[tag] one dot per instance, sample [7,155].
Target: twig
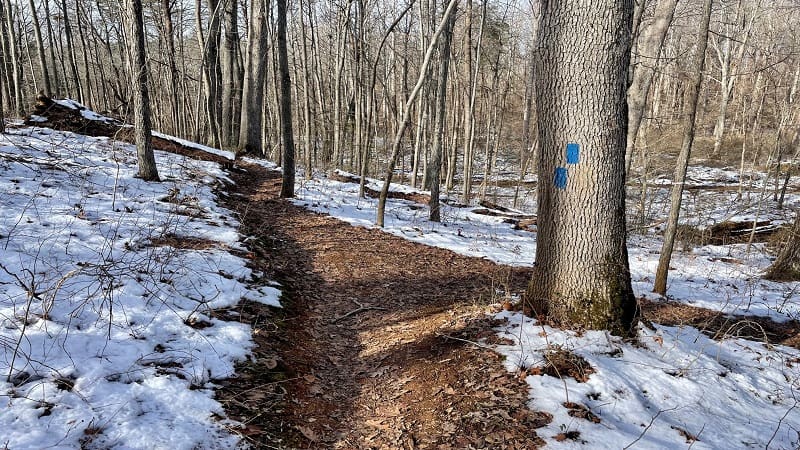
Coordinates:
[653,419]
[361,308]
[476,344]
[780,422]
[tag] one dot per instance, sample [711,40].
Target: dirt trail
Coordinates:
[402,373]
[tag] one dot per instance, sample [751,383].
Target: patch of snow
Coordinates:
[679,384]
[106,333]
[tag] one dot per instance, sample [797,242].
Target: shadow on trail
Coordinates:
[376,346]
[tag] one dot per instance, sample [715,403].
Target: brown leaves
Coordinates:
[581,412]
[380,378]
[571,435]
[308,433]
[561,362]
[687,435]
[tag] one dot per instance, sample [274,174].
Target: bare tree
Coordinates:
[250,140]
[398,138]
[690,113]
[644,70]
[141,96]
[441,105]
[287,133]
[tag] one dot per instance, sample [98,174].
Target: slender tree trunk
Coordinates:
[142,126]
[231,76]
[37,30]
[469,114]
[373,82]
[398,138]
[644,71]
[441,110]
[250,138]
[308,140]
[86,84]
[211,68]
[287,133]
[51,46]
[676,195]
[581,274]
[169,40]
[16,69]
[72,58]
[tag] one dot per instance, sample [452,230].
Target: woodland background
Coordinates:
[353,64]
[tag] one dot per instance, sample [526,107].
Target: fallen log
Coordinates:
[344,177]
[74,117]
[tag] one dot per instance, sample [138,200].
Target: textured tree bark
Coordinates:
[287,133]
[441,110]
[232,75]
[141,97]
[250,140]
[676,195]
[581,276]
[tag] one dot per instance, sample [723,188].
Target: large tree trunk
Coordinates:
[141,97]
[660,284]
[441,102]
[581,275]
[287,133]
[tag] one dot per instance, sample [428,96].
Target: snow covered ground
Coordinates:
[106,340]
[680,389]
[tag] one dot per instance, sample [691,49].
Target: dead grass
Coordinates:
[184,242]
[561,362]
[721,326]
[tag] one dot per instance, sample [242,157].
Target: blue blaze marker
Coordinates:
[573,153]
[560,179]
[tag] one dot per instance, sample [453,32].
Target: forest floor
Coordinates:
[391,338]
[377,344]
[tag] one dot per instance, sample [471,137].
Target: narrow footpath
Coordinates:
[382,343]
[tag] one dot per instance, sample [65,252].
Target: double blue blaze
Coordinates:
[562,174]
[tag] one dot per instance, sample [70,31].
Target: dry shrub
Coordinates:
[560,362]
